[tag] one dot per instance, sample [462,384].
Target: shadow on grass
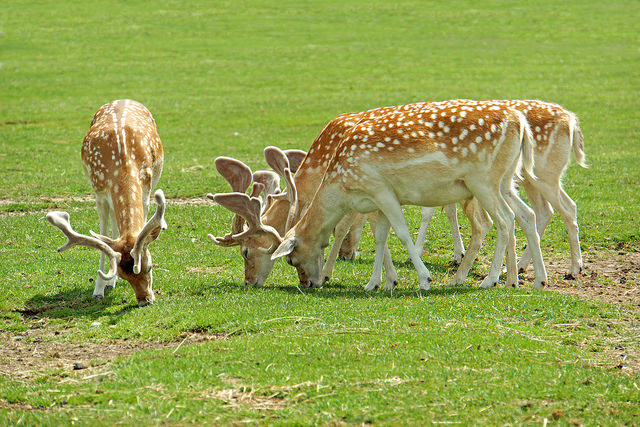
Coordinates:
[338,290]
[77,303]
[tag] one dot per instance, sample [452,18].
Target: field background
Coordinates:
[231,77]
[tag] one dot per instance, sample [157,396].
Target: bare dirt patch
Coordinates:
[54,201]
[25,354]
[611,276]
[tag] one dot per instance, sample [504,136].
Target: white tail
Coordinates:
[122,158]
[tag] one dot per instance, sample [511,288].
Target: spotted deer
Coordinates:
[257,245]
[122,158]
[556,133]
[425,154]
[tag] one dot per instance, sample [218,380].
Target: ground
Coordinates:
[609,275]
[26,353]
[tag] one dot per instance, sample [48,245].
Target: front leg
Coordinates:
[388,204]
[103,207]
[339,232]
[381,233]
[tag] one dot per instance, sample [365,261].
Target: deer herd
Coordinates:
[361,167]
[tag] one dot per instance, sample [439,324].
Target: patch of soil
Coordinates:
[608,276]
[25,354]
[180,201]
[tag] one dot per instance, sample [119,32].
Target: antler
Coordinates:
[278,160]
[61,220]
[295,158]
[150,231]
[239,176]
[248,208]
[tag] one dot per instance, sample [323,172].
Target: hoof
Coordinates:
[540,285]
[144,303]
[98,296]
[391,286]
[326,279]
[426,286]
[521,270]
[370,288]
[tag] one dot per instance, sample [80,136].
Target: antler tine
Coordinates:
[296,157]
[149,232]
[269,179]
[258,188]
[249,208]
[271,182]
[61,220]
[277,159]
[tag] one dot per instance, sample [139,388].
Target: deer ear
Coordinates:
[285,248]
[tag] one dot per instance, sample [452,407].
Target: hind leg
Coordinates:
[544,212]
[458,247]
[349,247]
[480,225]
[527,220]
[491,199]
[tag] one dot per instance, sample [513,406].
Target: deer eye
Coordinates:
[245,253]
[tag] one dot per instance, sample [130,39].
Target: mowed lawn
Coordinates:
[230,78]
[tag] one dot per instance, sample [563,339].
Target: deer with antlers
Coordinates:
[122,158]
[556,133]
[277,212]
[426,154]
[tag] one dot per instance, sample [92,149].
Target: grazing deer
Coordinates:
[122,158]
[258,245]
[556,132]
[425,154]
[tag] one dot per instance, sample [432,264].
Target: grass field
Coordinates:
[229,78]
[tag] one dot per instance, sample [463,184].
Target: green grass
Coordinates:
[230,78]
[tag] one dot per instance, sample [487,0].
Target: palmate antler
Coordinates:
[278,160]
[149,232]
[61,220]
[249,208]
[239,176]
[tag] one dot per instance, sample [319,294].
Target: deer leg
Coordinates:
[103,208]
[389,206]
[569,212]
[512,270]
[492,201]
[349,247]
[339,233]
[426,214]
[458,246]
[543,211]
[527,220]
[480,225]
[381,233]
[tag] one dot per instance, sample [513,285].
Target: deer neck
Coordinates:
[327,208]
[128,209]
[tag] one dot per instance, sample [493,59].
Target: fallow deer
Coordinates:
[556,133]
[257,246]
[122,158]
[425,154]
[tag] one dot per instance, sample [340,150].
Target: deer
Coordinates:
[122,158]
[276,210]
[456,150]
[556,133]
